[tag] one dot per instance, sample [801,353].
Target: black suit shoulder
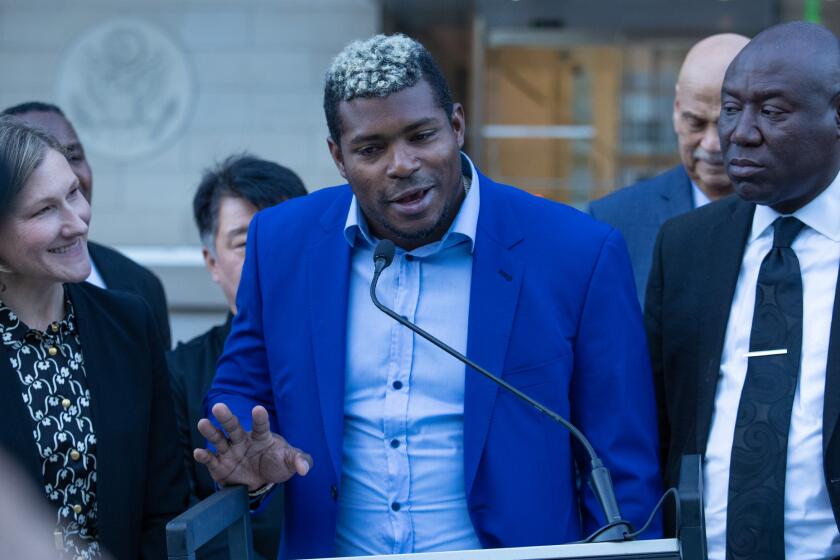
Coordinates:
[688,230]
[139,486]
[187,357]
[710,211]
[121,273]
[192,366]
[691,249]
[125,312]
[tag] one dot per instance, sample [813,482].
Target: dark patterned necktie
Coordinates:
[755,520]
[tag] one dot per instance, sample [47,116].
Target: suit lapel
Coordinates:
[494,293]
[726,240]
[676,196]
[97,256]
[831,406]
[328,277]
[105,391]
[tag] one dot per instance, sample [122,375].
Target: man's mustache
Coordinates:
[714,158]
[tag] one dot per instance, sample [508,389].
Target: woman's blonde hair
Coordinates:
[22,149]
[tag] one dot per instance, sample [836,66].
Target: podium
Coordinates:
[227,511]
[632,550]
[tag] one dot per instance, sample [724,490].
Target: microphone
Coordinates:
[383,254]
[616,529]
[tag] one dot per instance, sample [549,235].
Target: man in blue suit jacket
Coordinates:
[388,444]
[639,210]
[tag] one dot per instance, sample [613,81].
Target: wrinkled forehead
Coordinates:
[772,71]
[699,95]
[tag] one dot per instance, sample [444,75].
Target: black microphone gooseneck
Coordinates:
[617,529]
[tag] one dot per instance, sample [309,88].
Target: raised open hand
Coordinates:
[253,458]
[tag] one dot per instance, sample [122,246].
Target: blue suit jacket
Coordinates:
[639,210]
[552,310]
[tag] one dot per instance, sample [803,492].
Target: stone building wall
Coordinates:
[208,78]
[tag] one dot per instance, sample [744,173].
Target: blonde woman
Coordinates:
[83,381]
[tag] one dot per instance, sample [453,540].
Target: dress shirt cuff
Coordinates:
[256,498]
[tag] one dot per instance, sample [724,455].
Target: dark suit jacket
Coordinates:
[121,273]
[639,210]
[192,366]
[695,269]
[140,483]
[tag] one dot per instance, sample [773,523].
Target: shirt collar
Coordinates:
[463,226]
[12,328]
[698,197]
[820,214]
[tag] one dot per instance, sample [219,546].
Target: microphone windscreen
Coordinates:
[384,250]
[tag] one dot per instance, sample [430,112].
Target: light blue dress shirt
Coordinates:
[402,486]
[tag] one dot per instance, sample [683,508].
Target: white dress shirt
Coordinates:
[810,529]
[95,278]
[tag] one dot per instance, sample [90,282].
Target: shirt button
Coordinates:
[52,351]
[395,443]
[75,455]
[395,506]
[334,492]
[66,403]
[409,257]
[77,509]
[397,385]
[54,327]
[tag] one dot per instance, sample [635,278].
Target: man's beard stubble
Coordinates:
[447,216]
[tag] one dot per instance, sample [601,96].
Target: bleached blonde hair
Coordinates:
[22,149]
[378,67]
